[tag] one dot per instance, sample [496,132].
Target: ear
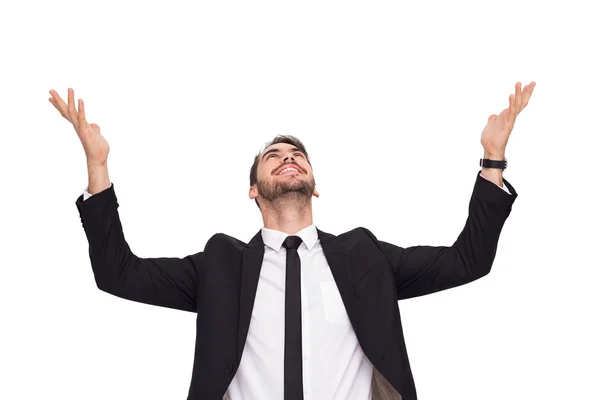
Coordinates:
[316,192]
[252,193]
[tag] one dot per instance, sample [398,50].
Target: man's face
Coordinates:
[283,171]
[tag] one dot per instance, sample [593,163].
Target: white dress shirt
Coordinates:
[334,365]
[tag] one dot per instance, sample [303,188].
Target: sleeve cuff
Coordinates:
[489,191]
[87,195]
[503,185]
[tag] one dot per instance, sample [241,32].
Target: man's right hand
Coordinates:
[94,144]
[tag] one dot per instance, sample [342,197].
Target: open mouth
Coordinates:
[288,171]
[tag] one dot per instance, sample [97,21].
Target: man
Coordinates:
[301,313]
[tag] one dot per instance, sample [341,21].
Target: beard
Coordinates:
[286,188]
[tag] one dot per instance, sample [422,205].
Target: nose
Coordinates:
[288,157]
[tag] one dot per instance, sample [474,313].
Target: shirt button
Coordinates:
[229,368]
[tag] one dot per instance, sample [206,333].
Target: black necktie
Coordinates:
[292,378]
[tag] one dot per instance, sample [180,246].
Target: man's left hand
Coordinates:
[497,131]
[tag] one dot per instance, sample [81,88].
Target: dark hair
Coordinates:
[289,139]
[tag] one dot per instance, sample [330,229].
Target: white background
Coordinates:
[390,100]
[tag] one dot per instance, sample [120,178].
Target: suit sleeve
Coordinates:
[165,281]
[420,270]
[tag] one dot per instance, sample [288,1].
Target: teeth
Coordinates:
[288,169]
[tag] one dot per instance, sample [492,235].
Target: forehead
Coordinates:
[279,147]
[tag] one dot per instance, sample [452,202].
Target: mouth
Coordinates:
[289,171]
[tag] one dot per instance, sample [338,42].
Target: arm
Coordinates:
[421,270]
[166,282]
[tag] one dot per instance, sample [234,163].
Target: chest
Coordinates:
[322,304]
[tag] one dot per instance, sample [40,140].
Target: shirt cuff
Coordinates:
[86,194]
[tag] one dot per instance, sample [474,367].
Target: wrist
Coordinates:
[493,174]
[93,164]
[494,154]
[98,179]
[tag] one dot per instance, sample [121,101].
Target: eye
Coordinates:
[299,154]
[271,155]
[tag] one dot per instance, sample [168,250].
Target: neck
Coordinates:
[287,215]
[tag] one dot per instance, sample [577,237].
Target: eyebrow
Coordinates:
[277,151]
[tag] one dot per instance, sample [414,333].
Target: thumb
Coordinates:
[492,118]
[95,127]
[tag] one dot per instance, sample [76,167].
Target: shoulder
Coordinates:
[224,240]
[357,235]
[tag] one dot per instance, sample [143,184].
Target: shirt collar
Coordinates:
[274,238]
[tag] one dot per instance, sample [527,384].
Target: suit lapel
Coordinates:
[252,259]
[337,258]
[336,254]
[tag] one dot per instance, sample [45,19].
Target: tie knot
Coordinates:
[292,242]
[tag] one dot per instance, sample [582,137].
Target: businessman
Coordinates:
[301,313]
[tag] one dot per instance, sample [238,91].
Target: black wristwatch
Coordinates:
[487,163]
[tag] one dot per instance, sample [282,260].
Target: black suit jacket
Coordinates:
[371,275]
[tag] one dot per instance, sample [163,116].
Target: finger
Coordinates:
[59,108]
[512,108]
[518,97]
[505,116]
[81,114]
[71,106]
[53,102]
[523,99]
[527,94]
[58,103]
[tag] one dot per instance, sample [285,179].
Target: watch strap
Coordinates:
[487,163]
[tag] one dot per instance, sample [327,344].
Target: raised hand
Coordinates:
[94,144]
[497,131]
